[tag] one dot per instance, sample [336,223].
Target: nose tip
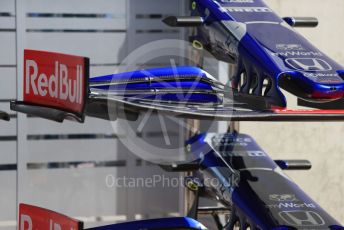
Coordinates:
[332,94]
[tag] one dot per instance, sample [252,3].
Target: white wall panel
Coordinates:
[154,202]
[38,126]
[145,26]
[5,106]
[8,128]
[7,22]
[100,47]
[77,192]
[104,31]
[76,23]
[8,193]
[8,133]
[8,153]
[77,6]
[100,36]
[8,83]
[88,150]
[7,47]
[7,6]
[96,29]
[164,7]
[152,23]
[103,70]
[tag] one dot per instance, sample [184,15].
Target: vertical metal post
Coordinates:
[225,71]
[233,126]
[189,196]
[195,58]
[20,9]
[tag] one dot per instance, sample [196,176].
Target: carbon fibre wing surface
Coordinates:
[130,109]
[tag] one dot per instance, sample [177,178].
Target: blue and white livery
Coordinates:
[265,48]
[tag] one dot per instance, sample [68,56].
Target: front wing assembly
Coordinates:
[187,92]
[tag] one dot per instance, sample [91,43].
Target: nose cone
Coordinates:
[312,87]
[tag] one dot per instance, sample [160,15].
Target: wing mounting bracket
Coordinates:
[44,112]
[186,21]
[4,116]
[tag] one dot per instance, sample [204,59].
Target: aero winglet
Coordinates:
[55,86]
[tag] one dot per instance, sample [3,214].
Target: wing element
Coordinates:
[58,87]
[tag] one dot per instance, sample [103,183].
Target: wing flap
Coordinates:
[228,112]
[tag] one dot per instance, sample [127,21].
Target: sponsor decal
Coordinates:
[298,53]
[229,139]
[288,47]
[246,9]
[302,218]
[35,218]
[283,197]
[308,64]
[256,154]
[324,78]
[245,139]
[244,154]
[55,80]
[291,205]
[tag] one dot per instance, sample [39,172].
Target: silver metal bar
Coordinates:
[301,21]
[183,21]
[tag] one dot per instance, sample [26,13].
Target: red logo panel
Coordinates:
[55,80]
[35,218]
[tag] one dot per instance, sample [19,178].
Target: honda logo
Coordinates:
[302,218]
[308,64]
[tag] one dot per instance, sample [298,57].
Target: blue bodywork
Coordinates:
[250,35]
[248,180]
[165,223]
[179,84]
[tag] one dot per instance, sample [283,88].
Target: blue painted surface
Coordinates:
[262,46]
[165,223]
[251,36]
[261,193]
[190,83]
[153,73]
